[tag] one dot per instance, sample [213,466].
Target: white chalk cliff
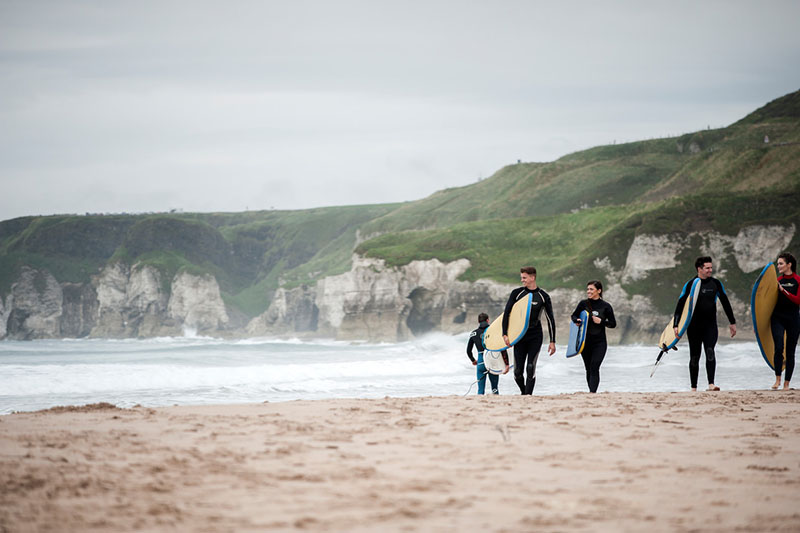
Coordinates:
[372,301]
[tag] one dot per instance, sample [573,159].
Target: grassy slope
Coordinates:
[601,198]
[552,243]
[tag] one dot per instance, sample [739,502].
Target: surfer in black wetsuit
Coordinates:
[702,331]
[527,348]
[476,340]
[785,318]
[601,316]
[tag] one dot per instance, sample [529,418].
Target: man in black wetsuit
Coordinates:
[702,331]
[527,348]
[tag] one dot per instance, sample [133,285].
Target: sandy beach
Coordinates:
[573,462]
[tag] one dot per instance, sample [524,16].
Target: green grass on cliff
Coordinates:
[564,247]
[497,249]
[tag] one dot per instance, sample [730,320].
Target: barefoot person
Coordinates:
[702,331]
[476,340]
[526,350]
[785,317]
[601,316]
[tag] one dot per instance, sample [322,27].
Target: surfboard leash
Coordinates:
[477,380]
[663,351]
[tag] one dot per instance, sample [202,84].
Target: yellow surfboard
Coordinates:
[668,340]
[517,326]
[762,303]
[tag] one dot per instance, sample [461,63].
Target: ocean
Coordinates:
[199,370]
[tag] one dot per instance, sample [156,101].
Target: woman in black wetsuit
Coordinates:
[785,319]
[601,316]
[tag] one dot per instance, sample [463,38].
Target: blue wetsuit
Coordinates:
[476,339]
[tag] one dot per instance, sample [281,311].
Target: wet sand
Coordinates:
[574,462]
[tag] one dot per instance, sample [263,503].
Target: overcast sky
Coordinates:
[123,106]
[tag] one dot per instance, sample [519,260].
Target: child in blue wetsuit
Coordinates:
[476,340]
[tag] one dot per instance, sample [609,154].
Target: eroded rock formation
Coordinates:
[371,302]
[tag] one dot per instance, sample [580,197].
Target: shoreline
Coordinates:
[612,461]
[208,373]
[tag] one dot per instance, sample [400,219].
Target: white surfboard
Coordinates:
[494,362]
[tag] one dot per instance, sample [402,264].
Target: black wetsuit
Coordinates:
[476,340]
[526,350]
[702,331]
[785,319]
[594,350]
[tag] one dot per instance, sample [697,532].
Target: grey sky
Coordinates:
[224,106]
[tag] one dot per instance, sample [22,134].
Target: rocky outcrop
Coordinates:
[120,302]
[650,252]
[196,305]
[293,311]
[34,306]
[131,303]
[79,309]
[375,302]
[755,243]
[38,307]
[378,303]
[751,249]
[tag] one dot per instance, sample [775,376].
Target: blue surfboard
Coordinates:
[577,335]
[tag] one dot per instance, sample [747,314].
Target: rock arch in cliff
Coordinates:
[426,311]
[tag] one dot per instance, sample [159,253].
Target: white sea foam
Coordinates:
[202,370]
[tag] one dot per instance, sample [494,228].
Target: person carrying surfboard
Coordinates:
[601,316]
[785,318]
[526,350]
[476,340]
[702,331]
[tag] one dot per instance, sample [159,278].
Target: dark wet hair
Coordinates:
[702,260]
[789,258]
[531,271]
[597,285]
[483,317]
